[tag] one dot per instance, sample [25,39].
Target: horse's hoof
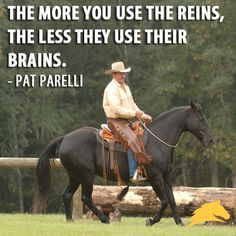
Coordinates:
[105,220]
[181,224]
[149,222]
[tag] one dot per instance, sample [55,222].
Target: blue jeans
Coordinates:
[132,163]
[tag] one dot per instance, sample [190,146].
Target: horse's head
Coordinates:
[219,211]
[197,125]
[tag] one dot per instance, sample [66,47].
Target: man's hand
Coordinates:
[139,114]
[146,117]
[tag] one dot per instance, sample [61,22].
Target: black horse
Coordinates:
[80,154]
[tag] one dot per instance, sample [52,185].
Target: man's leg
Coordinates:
[129,138]
[132,163]
[134,175]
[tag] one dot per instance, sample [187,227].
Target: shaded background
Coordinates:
[162,77]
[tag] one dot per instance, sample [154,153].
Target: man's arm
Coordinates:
[139,112]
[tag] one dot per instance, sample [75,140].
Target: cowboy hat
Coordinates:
[118,67]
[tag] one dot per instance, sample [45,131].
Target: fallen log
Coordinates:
[142,201]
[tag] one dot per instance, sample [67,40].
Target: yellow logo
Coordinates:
[209,212]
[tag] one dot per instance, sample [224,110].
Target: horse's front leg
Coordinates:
[172,203]
[159,188]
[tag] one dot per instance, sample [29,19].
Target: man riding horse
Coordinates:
[120,108]
[80,151]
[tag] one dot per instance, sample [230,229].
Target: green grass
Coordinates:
[55,225]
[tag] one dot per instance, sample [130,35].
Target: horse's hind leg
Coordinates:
[87,189]
[172,203]
[159,188]
[68,196]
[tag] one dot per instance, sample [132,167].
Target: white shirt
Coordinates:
[118,101]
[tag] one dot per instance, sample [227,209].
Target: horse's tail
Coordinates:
[43,175]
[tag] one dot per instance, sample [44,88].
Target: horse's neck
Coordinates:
[170,126]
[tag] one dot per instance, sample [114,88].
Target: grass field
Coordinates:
[55,225]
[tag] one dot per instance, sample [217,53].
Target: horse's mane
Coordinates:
[203,210]
[166,114]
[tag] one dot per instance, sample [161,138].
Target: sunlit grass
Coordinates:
[50,225]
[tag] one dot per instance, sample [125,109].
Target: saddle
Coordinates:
[114,144]
[106,134]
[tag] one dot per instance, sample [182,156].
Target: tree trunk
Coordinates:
[214,173]
[143,201]
[184,171]
[234,179]
[20,190]
[15,152]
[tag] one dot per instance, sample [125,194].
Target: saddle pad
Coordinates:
[118,146]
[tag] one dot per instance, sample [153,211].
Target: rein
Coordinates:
[168,145]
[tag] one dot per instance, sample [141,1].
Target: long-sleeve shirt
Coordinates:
[118,101]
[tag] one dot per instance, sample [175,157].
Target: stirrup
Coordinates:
[138,177]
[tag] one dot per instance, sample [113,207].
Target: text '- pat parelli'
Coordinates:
[50,81]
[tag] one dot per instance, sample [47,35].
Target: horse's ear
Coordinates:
[218,201]
[193,106]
